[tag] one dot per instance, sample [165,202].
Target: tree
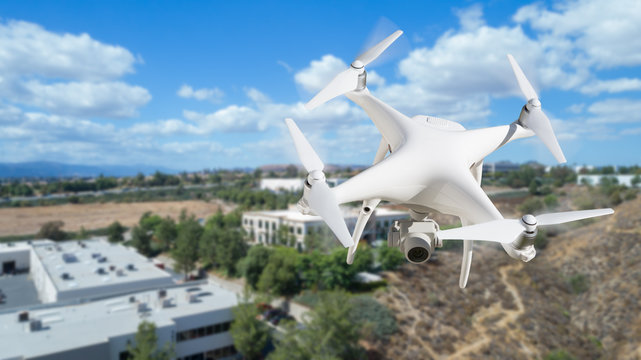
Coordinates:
[82,234]
[254,263]
[390,258]
[141,240]
[115,232]
[165,232]
[331,333]
[250,334]
[280,276]
[145,344]
[149,221]
[52,230]
[185,254]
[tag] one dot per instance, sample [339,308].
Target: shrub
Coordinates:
[531,205]
[579,283]
[559,355]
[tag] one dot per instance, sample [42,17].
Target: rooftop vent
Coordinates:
[166,303]
[95,255]
[35,325]
[120,272]
[23,316]
[142,307]
[162,293]
[132,299]
[58,248]
[131,267]
[65,276]
[112,267]
[102,259]
[69,258]
[100,271]
[192,289]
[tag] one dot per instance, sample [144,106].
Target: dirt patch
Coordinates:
[23,221]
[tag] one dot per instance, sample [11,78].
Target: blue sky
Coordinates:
[191,85]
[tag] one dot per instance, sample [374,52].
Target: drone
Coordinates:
[433,164]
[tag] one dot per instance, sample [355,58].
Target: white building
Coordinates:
[94,294]
[291,184]
[596,179]
[263,225]
[82,269]
[196,318]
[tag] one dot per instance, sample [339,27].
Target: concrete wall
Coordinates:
[112,289]
[47,291]
[19,254]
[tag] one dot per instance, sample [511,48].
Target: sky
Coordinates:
[192,84]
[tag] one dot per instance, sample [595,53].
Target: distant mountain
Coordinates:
[46,169]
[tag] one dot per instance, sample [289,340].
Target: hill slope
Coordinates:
[579,295]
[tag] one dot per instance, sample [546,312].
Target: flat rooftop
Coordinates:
[92,323]
[81,261]
[18,290]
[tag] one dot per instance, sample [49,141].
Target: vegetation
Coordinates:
[558,355]
[250,334]
[115,232]
[52,230]
[145,345]
[252,266]
[390,258]
[186,254]
[377,320]
[330,333]
[579,283]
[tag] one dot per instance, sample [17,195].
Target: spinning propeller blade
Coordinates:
[568,216]
[347,80]
[535,119]
[320,198]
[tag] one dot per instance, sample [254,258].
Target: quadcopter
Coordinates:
[433,165]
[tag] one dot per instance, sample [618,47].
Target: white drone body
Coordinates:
[433,165]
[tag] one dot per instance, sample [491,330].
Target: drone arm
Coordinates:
[391,123]
[482,142]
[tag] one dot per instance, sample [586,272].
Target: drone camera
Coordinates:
[417,247]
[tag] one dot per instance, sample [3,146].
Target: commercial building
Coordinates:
[195,318]
[263,225]
[92,296]
[627,180]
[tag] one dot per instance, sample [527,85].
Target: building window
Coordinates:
[274,226]
[260,223]
[299,230]
[202,331]
[291,229]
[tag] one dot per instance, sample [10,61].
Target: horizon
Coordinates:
[207,85]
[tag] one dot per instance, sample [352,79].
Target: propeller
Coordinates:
[318,195]
[506,231]
[347,80]
[533,117]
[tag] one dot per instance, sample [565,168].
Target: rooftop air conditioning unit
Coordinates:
[162,293]
[102,259]
[23,316]
[142,307]
[131,267]
[100,271]
[166,303]
[132,299]
[95,255]
[65,276]
[192,297]
[120,272]
[35,325]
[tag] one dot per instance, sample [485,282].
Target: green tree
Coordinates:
[330,333]
[115,232]
[82,234]
[141,240]
[185,254]
[250,334]
[390,258]
[280,276]
[531,205]
[52,230]
[230,247]
[149,221]
[165,232]
[284,236]
[145,345]
[252,266]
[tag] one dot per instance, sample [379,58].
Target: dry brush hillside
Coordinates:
[514,310]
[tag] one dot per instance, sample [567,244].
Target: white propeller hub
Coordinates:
[315,175]
[357,64]
[529,222]
[534,102]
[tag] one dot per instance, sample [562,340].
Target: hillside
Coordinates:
[580,295]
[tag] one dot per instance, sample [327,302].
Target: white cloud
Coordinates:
[28,49]
[611,86]
[214,95]
[104,99]
[66,74]
[165,127]
[615,111]
[319,73]
[606,33]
